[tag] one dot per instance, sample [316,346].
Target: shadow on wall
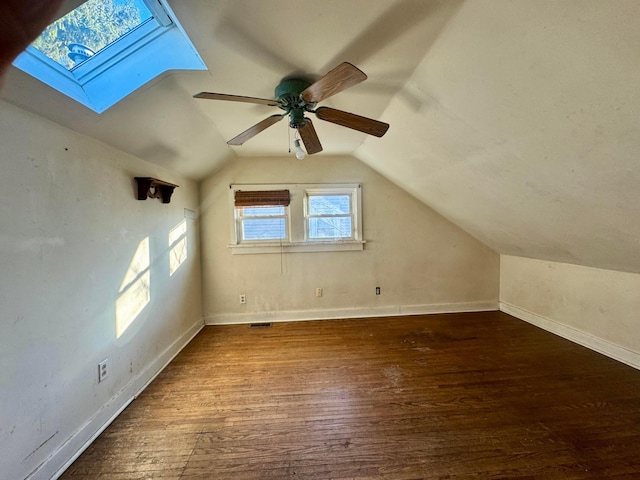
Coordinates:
[135,289]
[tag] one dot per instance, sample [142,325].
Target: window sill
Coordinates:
[248,249]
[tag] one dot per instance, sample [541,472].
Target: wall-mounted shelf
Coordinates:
[149,187]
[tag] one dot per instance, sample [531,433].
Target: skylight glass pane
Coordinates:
[89,28]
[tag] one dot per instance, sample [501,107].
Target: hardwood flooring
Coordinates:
[479,395]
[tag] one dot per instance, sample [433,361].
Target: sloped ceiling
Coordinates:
[517,120]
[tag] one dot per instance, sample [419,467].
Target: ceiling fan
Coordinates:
[297,96]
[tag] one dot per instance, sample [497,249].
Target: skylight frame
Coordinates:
[117,46]
[155,46]
[110,55]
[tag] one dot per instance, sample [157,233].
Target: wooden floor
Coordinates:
[424,397]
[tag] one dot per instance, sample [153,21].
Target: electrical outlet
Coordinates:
[377,290]
[243,298]
[318,292]
[103,370]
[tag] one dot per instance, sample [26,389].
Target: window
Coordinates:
[87,30]
[295,218]
[329,215]
[105,49]
[261,215]
[262,223]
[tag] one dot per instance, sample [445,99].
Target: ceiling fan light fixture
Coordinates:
[300,153]
[297,96]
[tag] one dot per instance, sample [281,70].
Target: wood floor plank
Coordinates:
[478,395]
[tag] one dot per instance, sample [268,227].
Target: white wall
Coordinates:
[422,262]
[594,307]
[70,226]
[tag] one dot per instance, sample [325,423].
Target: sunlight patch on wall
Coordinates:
[177,246]
[135,290]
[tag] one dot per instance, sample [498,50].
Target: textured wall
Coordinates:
[79,255]
[421,261]
[527,138]
[595,307]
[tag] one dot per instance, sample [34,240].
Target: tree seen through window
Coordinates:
[93,25]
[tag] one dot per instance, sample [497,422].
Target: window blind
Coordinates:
[262,198]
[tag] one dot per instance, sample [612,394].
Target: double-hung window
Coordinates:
[261,215]
[329,214]
[262,223]
[296,218]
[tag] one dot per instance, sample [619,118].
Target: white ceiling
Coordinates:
[517,120]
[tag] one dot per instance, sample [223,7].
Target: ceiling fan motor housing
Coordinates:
[289,99]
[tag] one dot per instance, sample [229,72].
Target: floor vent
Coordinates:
[260,325]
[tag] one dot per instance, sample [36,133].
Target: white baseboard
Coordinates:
[354,312]
[605,347]
[77,443]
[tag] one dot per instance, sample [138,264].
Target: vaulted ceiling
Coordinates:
[517,120]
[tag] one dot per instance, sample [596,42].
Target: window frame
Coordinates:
[332,191]
[296,223]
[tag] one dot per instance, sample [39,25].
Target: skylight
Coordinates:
[88,29]
[104,50]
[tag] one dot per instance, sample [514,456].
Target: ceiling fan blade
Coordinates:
[235,98]
[310,138]
[256,129]
[340,78]
[351,120]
